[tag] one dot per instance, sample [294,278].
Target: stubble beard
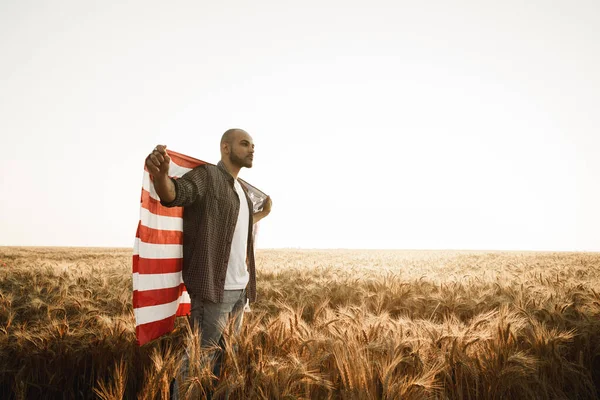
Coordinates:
[240,162]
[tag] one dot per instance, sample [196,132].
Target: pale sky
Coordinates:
[377,124]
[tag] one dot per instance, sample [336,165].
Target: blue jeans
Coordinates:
[211,319]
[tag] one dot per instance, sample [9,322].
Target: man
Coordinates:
[218,250]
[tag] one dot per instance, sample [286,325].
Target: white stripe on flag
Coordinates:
[160,222]
[155,313]
[185,297]
[156,281]
[177,170]
[151,250]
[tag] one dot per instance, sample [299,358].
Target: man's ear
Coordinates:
[225,148]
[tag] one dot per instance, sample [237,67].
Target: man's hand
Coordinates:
[266,210]
[267,206]
[158,162]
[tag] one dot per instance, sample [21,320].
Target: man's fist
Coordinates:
[267,206]
[158,162]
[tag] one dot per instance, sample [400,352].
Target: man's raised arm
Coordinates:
[157,163]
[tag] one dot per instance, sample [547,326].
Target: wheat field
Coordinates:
[330,324]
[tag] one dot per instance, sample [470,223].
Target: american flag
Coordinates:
[159,295]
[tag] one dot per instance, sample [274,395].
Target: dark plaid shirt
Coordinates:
[211,207]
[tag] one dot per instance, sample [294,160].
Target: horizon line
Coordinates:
[333,249]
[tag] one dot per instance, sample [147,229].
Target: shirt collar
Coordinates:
[221,165]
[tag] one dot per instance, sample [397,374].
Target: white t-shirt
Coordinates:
[237,271]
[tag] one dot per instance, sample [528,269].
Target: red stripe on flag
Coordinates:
[159,236]
[184,309]
[153,330]
[146,298]
[184,161]
[156,265]
[156,208]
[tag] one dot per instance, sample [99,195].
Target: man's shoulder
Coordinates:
[206,167]
[210,167]
[212,170]
[199,167]
[208,171]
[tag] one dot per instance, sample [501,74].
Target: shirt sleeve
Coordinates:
[189,188]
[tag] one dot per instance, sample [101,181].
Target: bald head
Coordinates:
[230,135]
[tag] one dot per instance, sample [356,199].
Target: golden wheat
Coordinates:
[328,324]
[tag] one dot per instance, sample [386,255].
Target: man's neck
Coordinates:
[232,169]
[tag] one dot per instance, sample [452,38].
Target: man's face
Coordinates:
[241,151]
